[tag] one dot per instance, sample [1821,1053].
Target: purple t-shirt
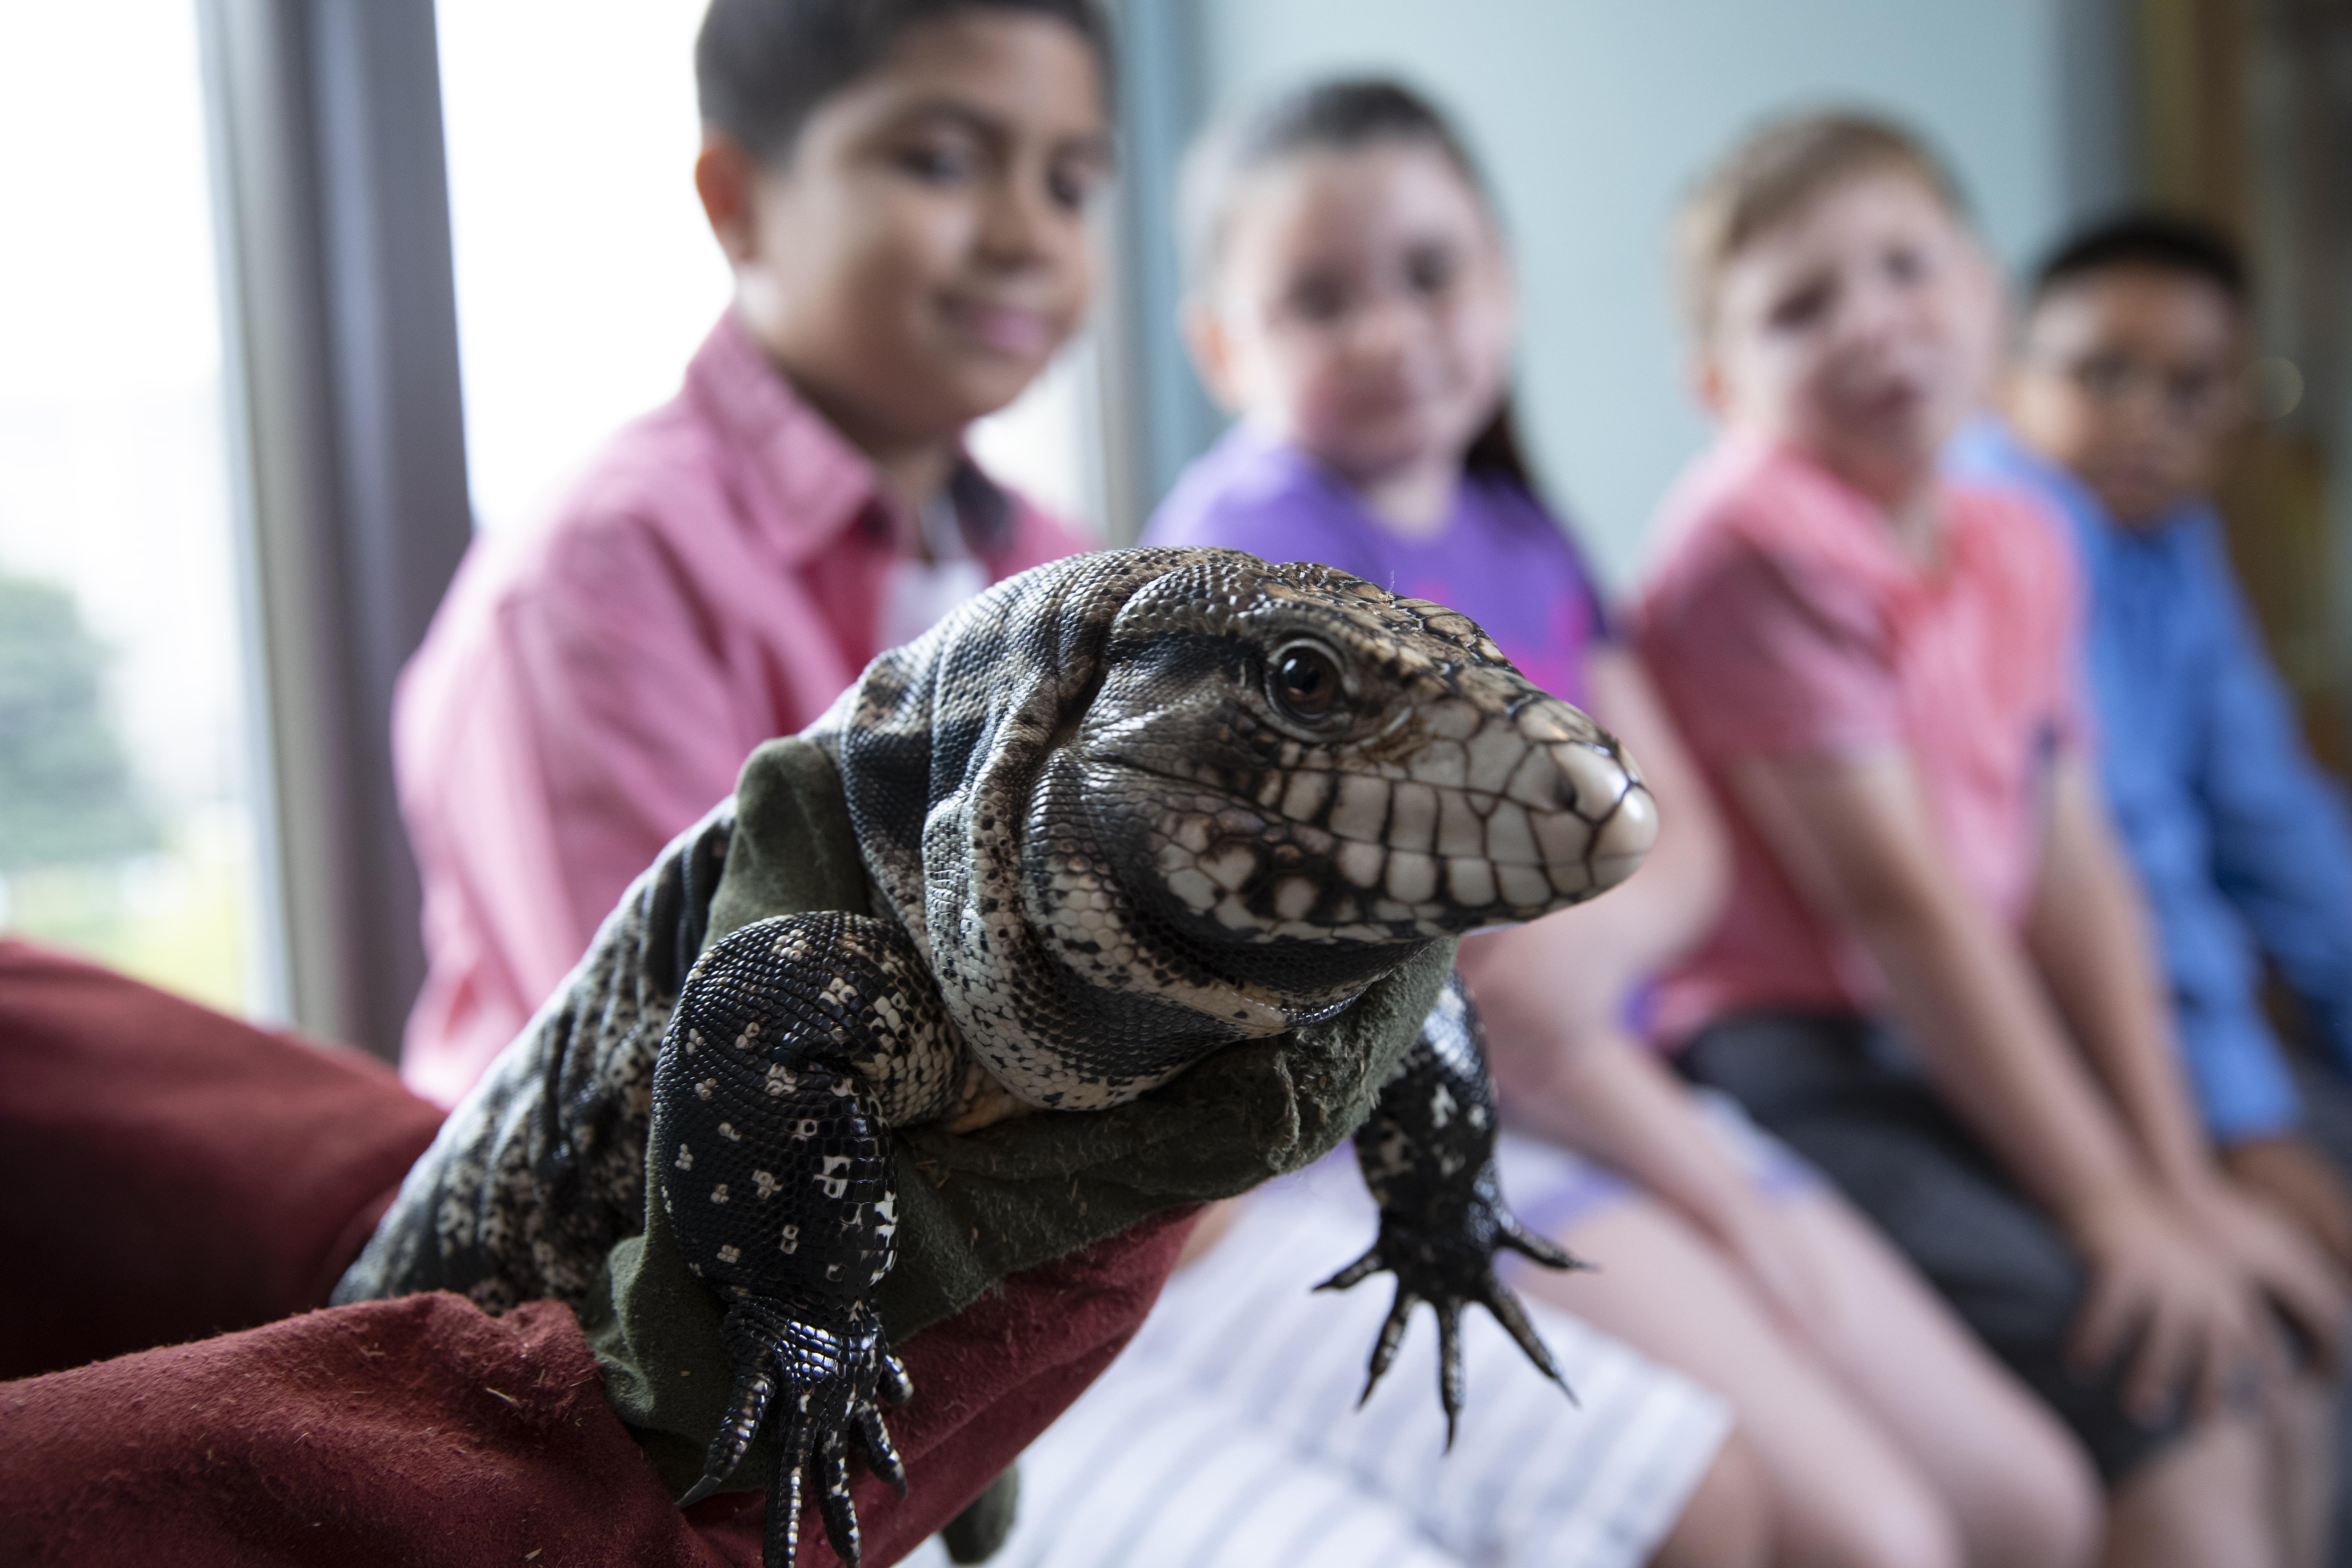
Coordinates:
[1502,560]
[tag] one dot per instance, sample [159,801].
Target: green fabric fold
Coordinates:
[976,1207]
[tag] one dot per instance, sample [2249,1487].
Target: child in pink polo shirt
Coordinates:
[902,188]
[1934,978]
[1350,297]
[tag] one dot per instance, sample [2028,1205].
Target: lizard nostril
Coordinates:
[1625,838]
[1589,782]
[1603,822]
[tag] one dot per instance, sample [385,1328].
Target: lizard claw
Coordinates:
[833,1500]
[1510,1233]
[824,1383]
[1427,1151]
[881,1454]
[747,1410]
[895,1386]
[1356,1273]
[1451,1266]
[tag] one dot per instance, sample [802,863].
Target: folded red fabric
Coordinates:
[179,1173]
[423,1430]
[417,1430]
[172,1172]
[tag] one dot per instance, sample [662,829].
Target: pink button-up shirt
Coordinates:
[589,690]
[1784,620]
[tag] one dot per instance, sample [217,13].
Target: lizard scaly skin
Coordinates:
[1122,811]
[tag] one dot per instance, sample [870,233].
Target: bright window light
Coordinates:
[128,819]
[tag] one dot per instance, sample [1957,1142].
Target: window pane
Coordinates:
[586,275]
[127,820]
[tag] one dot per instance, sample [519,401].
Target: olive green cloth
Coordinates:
[975,1208]
[980,1531]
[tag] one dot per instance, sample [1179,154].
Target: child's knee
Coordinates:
[1728,1522]
[2206,1498]
[1867,1525]
[1886,1535]
[2045,1510]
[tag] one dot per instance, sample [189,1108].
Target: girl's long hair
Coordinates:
[1331,117]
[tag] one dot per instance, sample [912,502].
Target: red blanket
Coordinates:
[175,1173]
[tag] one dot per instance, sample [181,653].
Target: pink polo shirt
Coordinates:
[590,688]
[1783,619]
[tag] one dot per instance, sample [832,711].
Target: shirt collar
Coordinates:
[1810,511]
[1989,448]
[810,482]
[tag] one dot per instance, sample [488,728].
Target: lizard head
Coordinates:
[1137,805]
[1287,753]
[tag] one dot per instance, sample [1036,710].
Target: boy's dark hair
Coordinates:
[760,66]
[1326,117]
[2165,241]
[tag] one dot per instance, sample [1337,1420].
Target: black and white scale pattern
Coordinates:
[1122,810]
[1086,798]
[1427,1153]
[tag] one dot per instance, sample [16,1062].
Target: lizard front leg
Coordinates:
[1427,1153]
[796,1043]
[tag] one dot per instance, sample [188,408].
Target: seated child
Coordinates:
[2123,399]
[1932,979]
[902,188]
[1228,1433]
[1351,299]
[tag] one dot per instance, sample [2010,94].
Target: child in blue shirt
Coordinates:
[2121,408]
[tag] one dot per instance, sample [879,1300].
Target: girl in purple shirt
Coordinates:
[1495,554]
[1351,300]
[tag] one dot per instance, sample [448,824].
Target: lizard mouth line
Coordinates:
[1484,804]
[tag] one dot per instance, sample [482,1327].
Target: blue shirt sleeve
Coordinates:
[2236,1071]
[2282,841]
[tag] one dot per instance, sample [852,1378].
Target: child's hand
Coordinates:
[2192,1306]
[2300,1282]
[2295,1177]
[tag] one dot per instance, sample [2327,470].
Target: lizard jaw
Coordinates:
[1479,817]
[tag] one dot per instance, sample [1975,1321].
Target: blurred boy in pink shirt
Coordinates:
[902,195]
[1934,978]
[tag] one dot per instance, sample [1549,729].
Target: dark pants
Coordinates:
[1842,1091]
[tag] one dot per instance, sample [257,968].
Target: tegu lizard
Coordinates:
[1122,811]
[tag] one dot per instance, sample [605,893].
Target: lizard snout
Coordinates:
[1605,819]
[1536,808]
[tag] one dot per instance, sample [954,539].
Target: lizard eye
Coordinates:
[1305,683]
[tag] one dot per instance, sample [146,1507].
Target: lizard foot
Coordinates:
[826,1383]
[1450,1267]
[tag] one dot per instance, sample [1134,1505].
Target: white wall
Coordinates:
[1592,116]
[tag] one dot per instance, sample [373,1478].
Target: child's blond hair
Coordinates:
[1775,173]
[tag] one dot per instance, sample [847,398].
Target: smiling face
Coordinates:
[1362,308]
[2130,378]
[916,259]
[1859,330]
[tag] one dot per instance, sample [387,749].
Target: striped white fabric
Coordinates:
[1227,1435]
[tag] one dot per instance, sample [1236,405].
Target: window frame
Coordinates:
[347,458]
